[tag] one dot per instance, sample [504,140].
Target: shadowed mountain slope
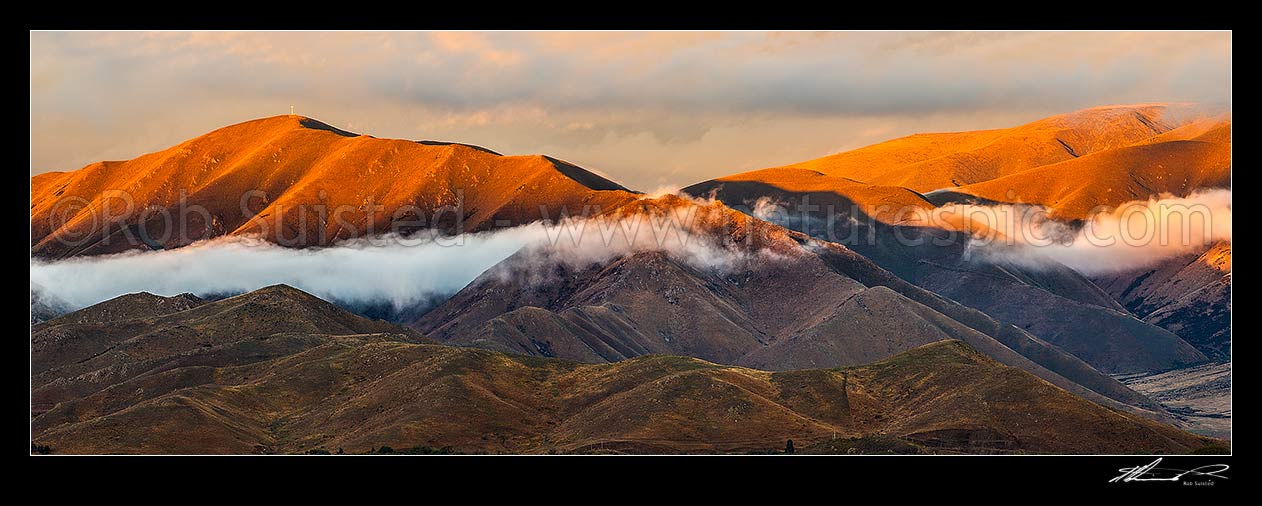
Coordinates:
[1053,301]
[801,307]
[1189,295]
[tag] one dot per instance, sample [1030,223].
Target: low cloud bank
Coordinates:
[685,233]
[359,272]
[404,272]
[1133,235]
[399,271]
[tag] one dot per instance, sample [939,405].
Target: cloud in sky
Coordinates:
[648,108]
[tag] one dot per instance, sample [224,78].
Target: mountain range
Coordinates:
[1120,154]
[839,321]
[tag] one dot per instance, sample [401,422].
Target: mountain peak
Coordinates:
[279,123]
[279,289]
[302,165]
[282,294]
[131,306]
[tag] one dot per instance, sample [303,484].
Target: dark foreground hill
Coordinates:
[319,383]
[134,335]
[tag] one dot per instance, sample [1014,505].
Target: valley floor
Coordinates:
[1199,396]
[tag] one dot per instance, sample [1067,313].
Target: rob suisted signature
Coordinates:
[1151,472]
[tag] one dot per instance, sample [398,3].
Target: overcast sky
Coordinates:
[651,110]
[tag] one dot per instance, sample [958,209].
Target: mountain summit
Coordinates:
[299,182]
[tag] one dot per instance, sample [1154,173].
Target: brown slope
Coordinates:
[1188,295]
[305,171]
[358,393]
[130,306]
[84,351]
[1072,189]
[929,162]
